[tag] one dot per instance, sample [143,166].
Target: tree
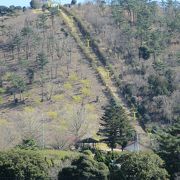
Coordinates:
[30,75]
[73,2]
[28,144]
[19,85]
[144,53]
[24,9]
[22,164]
[17,43]
[137,166]
[169,148]
[35,4]
[41,60]
[53,12]
[4,10]
[115,127]
[85,168]
[45,7]
[29,124]
[26,32]
[158,85]
[42,19]
[170,76]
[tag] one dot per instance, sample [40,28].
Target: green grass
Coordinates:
[59,154]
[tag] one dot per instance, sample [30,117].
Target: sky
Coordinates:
[26,2]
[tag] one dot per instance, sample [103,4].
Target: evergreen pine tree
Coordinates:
[169,148]
[115,127]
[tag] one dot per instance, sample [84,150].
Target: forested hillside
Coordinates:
[90,90]
[140,40]
[46,83]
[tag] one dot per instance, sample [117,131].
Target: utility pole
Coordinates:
[43,139]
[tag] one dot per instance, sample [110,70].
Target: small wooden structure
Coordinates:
[87,142]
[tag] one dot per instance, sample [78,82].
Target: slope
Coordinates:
[103,72]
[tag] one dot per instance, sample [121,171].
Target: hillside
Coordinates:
[53,91]
[90,91]
[149,84]
[70,62]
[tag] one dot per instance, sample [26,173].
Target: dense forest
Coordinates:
[90,90]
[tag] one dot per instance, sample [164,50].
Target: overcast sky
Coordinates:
[26,2]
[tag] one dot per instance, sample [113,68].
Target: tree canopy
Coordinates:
[141,165]
[169,148]
[22,164]
[35,4]
[115,127]
[85,168]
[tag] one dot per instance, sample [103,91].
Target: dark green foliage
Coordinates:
[106,157]
[35,4]
[146,118]
[87,152]
[99,156]
[144,53]
[18,8]
[6,11]
[24,9]
[141,109]
[28,144]
[26,31]
[115,127]
[3,10]
[170,76]
[169,148]
[45,7]
[159,66]
[18,83]
[85,168]
[12,7]
[158,85]
[73,2]
[172,18]
[140,166]
[22,164]
[41,60]
[53,11]
[30,75]
[127,89]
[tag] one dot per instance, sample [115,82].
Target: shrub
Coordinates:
[35,4]
[127,89]
[73,2]
[87,152]
[143,165]
[158,85]
[85,168]
[22,164]
[28,144]
[144,53]
[107,158]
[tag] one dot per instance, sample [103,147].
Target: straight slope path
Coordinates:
[103,73]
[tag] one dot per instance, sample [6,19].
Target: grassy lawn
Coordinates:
[59,155]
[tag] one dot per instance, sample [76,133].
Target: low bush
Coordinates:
[85,168]
[23,164]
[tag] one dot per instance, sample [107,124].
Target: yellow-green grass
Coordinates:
[59,155]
